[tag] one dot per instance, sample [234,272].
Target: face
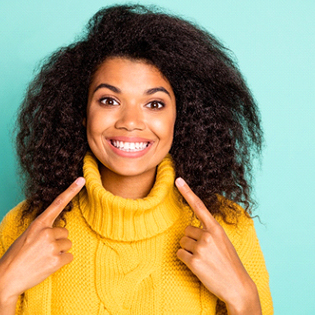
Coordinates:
[131,114]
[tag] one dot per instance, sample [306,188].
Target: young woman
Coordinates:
[143,101]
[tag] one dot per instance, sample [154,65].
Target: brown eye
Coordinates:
[109,101]
[156,105]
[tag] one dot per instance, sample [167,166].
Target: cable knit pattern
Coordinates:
[125,255]
[124,219]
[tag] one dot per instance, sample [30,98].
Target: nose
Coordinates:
[130,118]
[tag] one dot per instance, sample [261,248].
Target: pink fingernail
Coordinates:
[180,182]
[80,181]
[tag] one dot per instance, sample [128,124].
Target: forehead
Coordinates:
[124,71]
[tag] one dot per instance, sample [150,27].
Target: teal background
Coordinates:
[274,42]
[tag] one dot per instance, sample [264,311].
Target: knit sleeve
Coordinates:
[2,251]
[246,243]
[6,229]
[10,228]
[9,232]
[256,268]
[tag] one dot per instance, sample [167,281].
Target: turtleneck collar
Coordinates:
[125,219]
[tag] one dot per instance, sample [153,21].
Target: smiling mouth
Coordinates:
[130,146]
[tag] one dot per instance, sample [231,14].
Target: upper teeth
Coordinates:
[129,146]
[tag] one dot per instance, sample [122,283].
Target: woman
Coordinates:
[111,107]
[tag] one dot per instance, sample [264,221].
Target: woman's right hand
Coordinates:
[39,252]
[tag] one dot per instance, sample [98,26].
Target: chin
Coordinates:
[129,170]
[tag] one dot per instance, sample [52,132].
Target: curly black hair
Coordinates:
[217,128]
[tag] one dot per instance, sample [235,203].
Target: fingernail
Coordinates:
[80,181]
[180,182]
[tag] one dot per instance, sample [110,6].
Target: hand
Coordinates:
[39,251]
[210,255]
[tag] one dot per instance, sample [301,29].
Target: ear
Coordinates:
[84,122]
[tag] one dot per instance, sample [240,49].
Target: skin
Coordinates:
[120,106]
[130,99]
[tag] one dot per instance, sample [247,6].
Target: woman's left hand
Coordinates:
[210,255]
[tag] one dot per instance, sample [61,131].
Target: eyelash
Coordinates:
[107,99]
[158,102]
[161,104]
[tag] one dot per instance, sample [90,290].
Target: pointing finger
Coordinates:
[48,217]
[196,204]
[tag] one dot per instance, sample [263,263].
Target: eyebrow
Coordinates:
[117,90]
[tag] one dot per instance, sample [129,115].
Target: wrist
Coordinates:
[6,301]
[246,302]
[7,298]
[8,307]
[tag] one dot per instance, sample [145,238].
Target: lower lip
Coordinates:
[135,154]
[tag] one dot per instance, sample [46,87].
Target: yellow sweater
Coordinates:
[125,255]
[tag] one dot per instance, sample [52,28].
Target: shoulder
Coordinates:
[10,227]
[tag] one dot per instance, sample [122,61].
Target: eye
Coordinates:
[155,105]
[108,101]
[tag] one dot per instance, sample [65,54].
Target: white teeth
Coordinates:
[130,146]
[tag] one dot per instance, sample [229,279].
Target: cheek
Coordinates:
[165,128]
[94,130]
[96,122]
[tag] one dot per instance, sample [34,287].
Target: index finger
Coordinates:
[49,216]
[195,203]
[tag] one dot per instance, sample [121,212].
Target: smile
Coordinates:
[129,146]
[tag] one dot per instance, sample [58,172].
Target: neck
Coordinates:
[132,187]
